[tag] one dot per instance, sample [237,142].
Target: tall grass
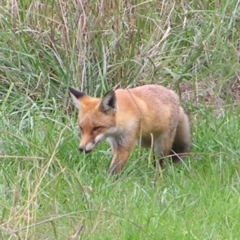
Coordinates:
[47,189]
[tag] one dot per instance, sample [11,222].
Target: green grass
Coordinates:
[48,190]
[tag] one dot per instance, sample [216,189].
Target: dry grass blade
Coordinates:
[78,232]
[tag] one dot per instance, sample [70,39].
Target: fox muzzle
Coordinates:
[81,149]
[84,149]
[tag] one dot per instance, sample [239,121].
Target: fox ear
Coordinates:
[108,104]
[76,95]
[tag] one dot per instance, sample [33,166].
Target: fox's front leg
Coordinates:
[121,154]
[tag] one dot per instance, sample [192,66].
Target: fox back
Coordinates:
[149,115]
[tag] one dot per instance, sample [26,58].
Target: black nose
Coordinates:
[81,149]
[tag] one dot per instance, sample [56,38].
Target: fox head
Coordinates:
[96,117]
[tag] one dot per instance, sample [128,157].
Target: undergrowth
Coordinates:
[48,190]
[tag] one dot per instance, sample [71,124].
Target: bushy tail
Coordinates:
[182,140]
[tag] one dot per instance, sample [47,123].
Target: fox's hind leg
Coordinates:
[163,145]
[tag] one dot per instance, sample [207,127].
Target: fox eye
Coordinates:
[81,129]
[96,128]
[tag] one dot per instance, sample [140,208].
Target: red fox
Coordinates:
[149,115]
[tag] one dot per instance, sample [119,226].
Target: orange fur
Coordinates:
[136,115]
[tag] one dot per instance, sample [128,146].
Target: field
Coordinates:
[48,190]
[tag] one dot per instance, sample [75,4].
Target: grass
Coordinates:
[48,190]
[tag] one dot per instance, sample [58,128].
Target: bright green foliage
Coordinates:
[48,190]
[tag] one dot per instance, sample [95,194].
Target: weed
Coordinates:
[48,190]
